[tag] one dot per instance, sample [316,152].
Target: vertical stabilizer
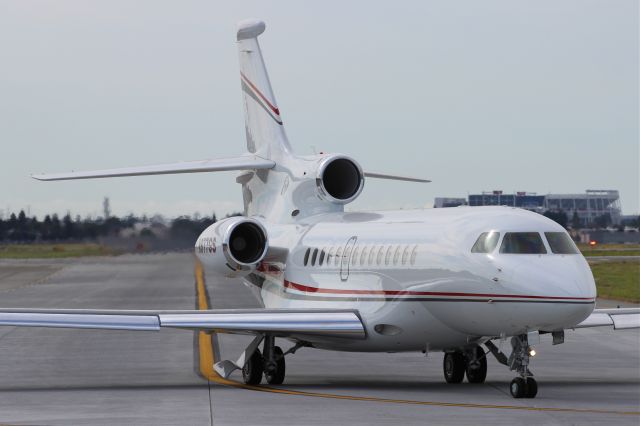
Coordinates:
[265,133]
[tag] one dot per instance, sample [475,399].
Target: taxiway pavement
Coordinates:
[55,376]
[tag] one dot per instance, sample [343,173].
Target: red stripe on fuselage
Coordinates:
[307,289]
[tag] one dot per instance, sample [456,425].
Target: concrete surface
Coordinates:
[51,376]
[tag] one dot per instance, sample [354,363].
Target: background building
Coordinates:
[440,202]
[590,207]
[524,200]
[600,207]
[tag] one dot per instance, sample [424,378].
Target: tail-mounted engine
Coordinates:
[233,247]
[339,179]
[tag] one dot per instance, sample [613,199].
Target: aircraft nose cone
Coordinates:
[562,284]
[555,276]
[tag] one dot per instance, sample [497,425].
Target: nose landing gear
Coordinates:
[524,386]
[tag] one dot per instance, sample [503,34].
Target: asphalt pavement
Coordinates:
[56,376]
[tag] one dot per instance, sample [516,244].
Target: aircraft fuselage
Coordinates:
[417,284]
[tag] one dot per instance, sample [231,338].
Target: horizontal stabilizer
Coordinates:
[619,319]
[280,322]
[245,162]
[395,177]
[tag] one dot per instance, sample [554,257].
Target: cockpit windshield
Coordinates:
[486,242]
[561,243]
[522,243]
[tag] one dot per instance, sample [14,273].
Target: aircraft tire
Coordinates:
[253,369]
[276,377]
[453,367]
[478,372]
[518,387]
[531,388]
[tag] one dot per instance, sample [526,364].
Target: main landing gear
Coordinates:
[472,362]
[270,363]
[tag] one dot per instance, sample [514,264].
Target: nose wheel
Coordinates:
[524,387]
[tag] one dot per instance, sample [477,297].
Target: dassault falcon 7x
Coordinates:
[454,280]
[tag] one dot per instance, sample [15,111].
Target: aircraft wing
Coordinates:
[619,319]
[244,162]
[280,322]
[377,175]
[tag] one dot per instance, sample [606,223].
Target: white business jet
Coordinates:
[453,280]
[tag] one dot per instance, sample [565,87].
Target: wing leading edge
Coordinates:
[244,162]
[281,322]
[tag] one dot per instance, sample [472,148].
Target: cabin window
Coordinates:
[486,242]
[355,255]
[387,256]
[405,255]
[414,253]
[314,256]
[322,255]
[306,256]
[330,255]
[363,257]
[372,255]
[396,255]
[338,256]
[561,243]
[522,243]
[380,254]
[347,255]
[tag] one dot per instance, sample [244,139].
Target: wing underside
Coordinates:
[328,323]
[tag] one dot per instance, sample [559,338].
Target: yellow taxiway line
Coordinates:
[207,342]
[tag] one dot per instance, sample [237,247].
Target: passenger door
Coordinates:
[346,258]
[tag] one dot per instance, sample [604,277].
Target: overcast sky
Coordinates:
[537,96]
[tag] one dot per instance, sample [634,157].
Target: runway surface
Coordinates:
[55,376]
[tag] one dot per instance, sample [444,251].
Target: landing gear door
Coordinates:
[346,258]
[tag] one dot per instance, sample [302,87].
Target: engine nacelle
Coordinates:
[233,247]
[339,179]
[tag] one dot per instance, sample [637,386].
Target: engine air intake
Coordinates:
[247,242]
[340,179]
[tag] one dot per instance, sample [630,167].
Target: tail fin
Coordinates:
[265,133]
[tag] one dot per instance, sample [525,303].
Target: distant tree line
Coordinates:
[23,229]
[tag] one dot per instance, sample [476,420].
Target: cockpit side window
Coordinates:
[560,243]
[522,243]
[486,242]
